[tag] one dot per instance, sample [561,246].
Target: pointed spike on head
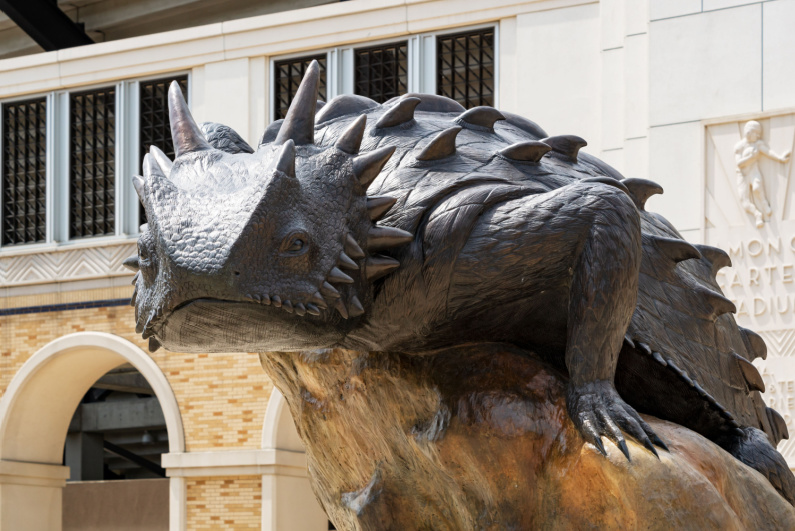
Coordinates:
[400,113]
[336,276]
[379,266]
[386,237]
[483,116]
[567,145]
[367,167]
[154,344]
[676,249]
[299,123]
[346,262]
[442,145]
[162,159]
[640,190]
[185,133]
[131,263]
[340,307]
[329,291]
[352,248]
[351,138]
[378,206]
[285,159]
[750,374]
[531,151]
[138,184]
[356,308]
[318,300]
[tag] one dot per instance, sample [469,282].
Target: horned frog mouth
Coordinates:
[216,325]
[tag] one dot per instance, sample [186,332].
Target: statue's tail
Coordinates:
[752,447]
[684,344]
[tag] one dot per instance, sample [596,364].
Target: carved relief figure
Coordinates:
[750,182]
[455,253]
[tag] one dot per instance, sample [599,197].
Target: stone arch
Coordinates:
[287,498]
[278,430]
[34,417]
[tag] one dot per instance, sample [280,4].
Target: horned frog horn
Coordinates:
[299,124]
[185,133]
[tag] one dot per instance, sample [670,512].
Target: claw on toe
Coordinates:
[598,411]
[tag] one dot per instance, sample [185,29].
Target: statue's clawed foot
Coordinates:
[598,411]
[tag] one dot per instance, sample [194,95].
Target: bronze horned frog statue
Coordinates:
[458,309]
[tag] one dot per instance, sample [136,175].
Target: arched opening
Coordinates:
[36,412]
[287,500]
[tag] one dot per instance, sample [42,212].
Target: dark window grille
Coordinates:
[24,172]
[288,75]
[154,123]
[382,71]
[465,67]
[92,160]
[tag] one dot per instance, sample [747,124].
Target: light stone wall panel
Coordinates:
[613,98]
[226,97]
[636,88]
[779,54]
[660,9]
[705,66]
[636,16]
[561,65]
[675,163]
[710,5]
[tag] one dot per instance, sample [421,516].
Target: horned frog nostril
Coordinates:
[237,273]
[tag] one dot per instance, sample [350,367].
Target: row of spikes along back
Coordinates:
[673,249]
[297,129]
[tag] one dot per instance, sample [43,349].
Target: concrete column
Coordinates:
[30,496]
[84,455]
[289,503]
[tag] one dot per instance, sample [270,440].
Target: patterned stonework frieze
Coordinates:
[64,265]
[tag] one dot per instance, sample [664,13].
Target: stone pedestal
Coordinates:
[478,438]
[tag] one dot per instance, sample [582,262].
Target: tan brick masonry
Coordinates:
[222,397]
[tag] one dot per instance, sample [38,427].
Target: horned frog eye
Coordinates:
[295,243]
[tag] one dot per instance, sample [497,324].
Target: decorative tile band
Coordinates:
[65,265]
[65,307]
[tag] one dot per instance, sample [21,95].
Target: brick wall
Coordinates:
[225,503]
[222,397]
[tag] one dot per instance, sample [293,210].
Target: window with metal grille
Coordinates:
[92,125]
[381,72]
[288,75]
[24,171]
[465,67]
[154,123]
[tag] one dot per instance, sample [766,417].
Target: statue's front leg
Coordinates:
[602,300]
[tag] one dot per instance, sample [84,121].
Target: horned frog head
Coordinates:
[259,250]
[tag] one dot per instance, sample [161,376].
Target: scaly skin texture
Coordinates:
[414,226]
